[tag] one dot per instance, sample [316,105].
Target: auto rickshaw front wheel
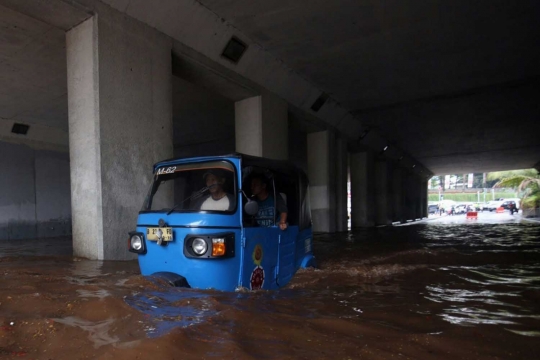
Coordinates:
[172,279]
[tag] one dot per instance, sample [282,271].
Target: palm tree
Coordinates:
[528,185]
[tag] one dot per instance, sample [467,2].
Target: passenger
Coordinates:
[267,210]
[218,199]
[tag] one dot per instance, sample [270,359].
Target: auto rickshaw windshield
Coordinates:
[205,186]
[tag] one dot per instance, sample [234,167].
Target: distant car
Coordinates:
[460,209]
[433,209]
[506,204]
[516,200]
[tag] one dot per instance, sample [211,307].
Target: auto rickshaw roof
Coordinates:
[282,166]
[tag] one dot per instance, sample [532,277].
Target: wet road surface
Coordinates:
[446,288]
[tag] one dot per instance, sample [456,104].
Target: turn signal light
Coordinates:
[218,247]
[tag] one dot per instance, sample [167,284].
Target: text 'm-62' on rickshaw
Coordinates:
[225,223]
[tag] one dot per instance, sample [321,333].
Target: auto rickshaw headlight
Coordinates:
[199,246]
[209,246]
[218,246]
[136,242]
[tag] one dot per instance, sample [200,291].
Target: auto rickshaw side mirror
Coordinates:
[251,207]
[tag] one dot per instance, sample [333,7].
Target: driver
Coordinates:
[218,199]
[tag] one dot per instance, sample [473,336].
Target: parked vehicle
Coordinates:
[460,209]
[223,248]
[433,209]
[509,205]
[516,200]
[493,205]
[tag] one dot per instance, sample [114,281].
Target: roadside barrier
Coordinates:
[472,215]
[500,210]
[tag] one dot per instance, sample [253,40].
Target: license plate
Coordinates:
[152,233]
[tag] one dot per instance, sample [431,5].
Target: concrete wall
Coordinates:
[35,197]
[298,149]
[53,194]
[382,175]
[203,121]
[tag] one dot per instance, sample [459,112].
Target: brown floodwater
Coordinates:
[433,290]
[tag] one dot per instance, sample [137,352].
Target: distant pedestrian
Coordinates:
[452,210]
[512,207]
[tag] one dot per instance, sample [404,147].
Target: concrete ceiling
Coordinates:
[454,84]
[371,54]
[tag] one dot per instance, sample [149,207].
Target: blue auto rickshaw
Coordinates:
[199,232]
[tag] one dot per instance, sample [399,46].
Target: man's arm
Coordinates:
[282,209]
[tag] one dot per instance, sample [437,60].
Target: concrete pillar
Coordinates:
[382,193]
[416,197]
[362,189]
[261,126]
[321,148]
[409,190]
[398,194]
[341,174]
[120,123]
[423,198]
[419,184]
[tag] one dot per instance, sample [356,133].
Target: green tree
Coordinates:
[527,185]
[497,176]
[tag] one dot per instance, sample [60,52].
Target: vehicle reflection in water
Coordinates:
[172,308]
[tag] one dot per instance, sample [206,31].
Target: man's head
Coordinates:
[258,186]
[214,179]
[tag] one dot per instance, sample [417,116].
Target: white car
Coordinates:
[493,205]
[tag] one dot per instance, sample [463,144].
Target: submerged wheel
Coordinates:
[172,279]
[308,261]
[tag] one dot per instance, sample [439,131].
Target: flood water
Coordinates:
[441,289]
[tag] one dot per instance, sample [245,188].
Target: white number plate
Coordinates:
[152,233]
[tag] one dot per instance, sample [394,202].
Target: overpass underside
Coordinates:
[115,93]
